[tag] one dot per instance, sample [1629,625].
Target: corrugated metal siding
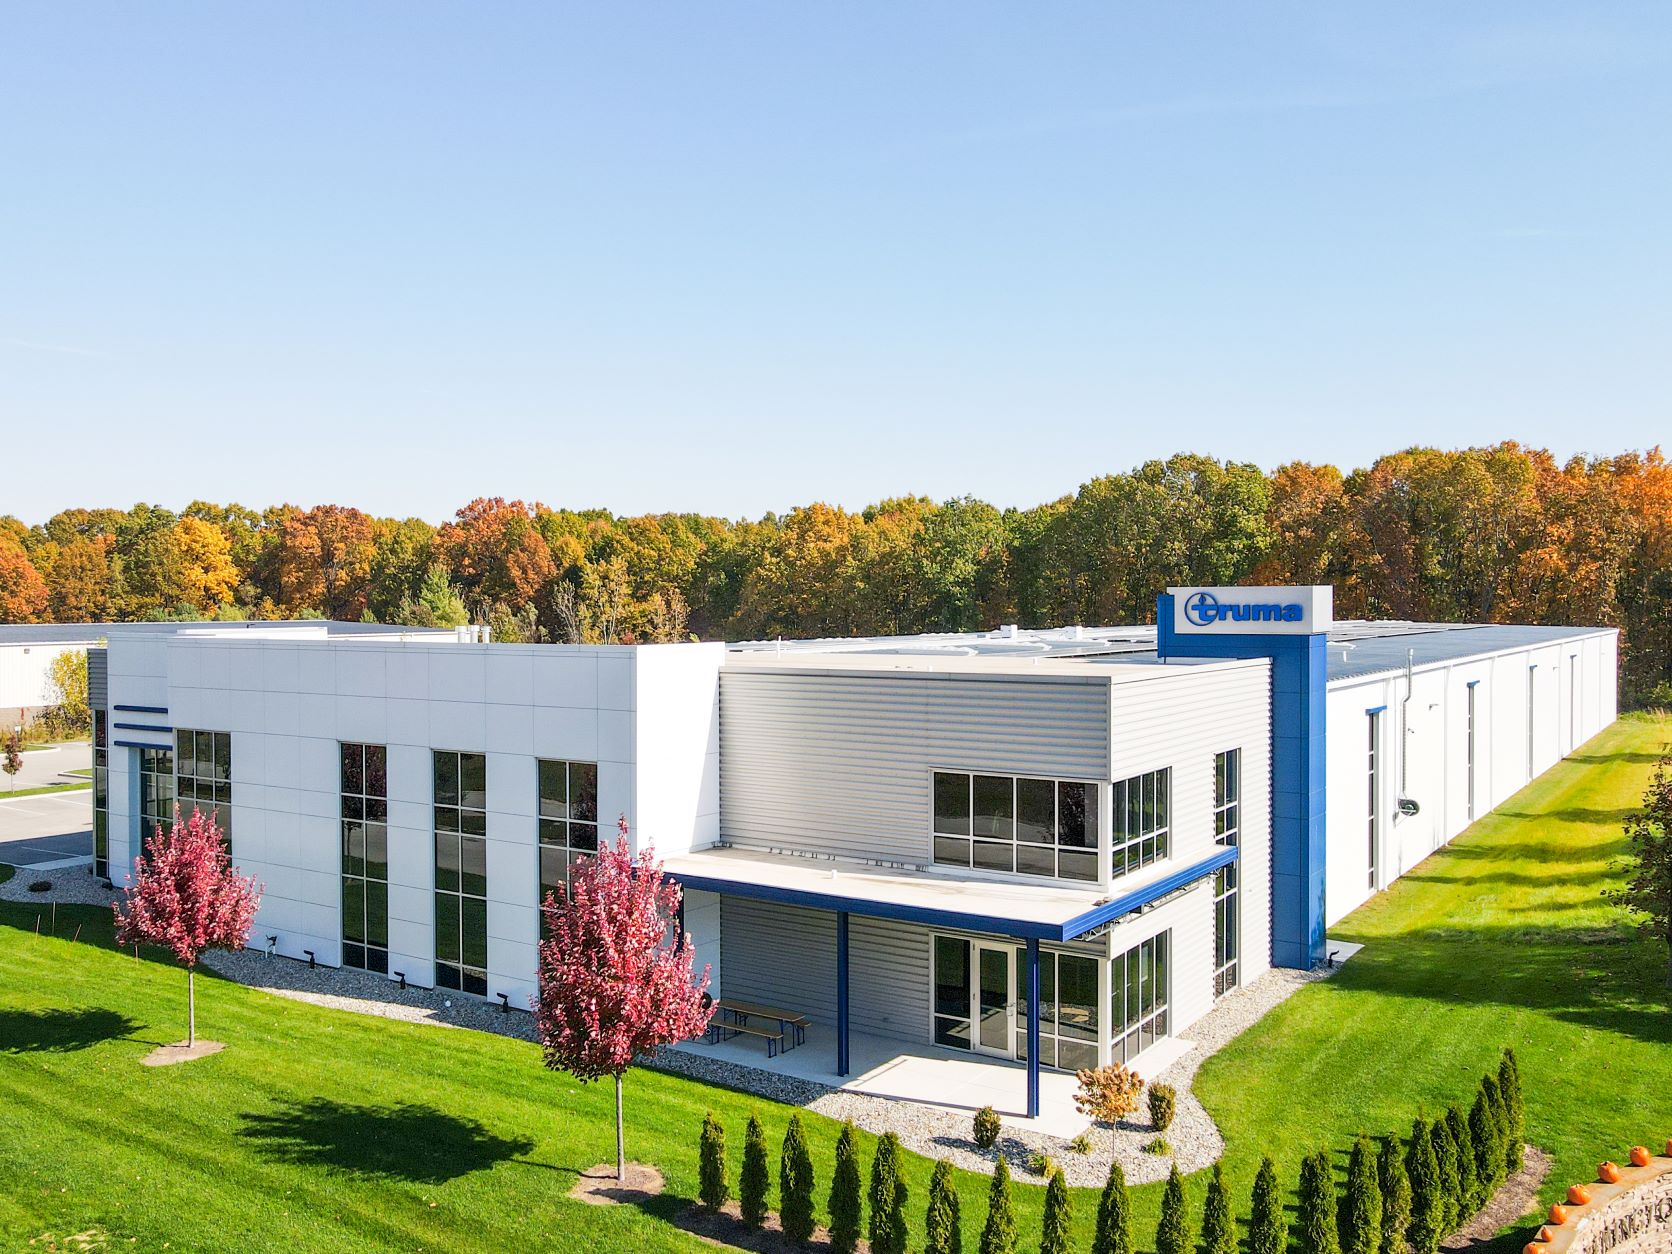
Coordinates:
[98,679]
[840,764]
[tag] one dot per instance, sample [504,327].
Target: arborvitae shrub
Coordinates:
[795,1185]
[1515,1108]
[987,1127]
[1057,1216]
[888,1199]
[753,1184]
[1499,1110]
[1268,1226]
[1114,1216]
[944,1234]
[998,1235]
[711,1164]
[1219,1225]
[844,1193]
[1445,1159]
[1488,1147]
[1318,1231]
[1428,1207]
[1471,1190]
[1163,1101]
[1172,1235]
[1396,1195]
[1361,1226]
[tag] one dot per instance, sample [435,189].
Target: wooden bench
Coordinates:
[791,1023]
[724,1030]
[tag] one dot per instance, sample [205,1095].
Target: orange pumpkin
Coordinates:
[1558,1214]
[1535,1247]
[1640,1155]
[1546,1234]
[1579,1195]
[1608,1172]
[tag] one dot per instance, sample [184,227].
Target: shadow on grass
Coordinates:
[1614,819]
[60,1031]
[402,1142]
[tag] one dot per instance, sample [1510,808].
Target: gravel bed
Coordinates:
[71,886]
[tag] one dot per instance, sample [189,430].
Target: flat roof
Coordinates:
[92,633]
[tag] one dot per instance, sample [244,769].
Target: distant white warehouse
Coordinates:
[1053,846]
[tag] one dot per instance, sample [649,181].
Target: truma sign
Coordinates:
[1252,611]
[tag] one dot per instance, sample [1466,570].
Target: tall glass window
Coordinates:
[365,833]
[1016,824]
[1142,832]
[1067,1009]
[203,777]
[156,793]
[1373,773]
[1470,785]
[461,871]
[952,992]
[1138,998]
[101,795]
[1227,830]
[568,822]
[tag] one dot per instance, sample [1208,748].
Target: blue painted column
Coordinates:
[1033,1027]
[1299,674]
[841,992]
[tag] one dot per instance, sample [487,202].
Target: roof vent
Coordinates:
[1007,632]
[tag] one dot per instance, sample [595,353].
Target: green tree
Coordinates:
[1428,1206]
[1268,1226]
[1172,1234]
[1114,1216]
[795,1184]
[437,604]
[1515,1108]
[1648,866]
[1362,1227]
[712,1188]
[888,1199]
[1318,1231]
[1488,1147]
[752,1186]
[1219,1225]
[944,1234]
[844,1193]
[1058,1216]
[1396,1195]
[1445,1159]
[66,678]
[1472,1188]
[998,1236]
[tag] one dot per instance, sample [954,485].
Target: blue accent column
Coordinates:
[1033,1027]
[841,992]
[1299,674]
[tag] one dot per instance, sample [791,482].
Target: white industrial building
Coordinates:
[1053,846]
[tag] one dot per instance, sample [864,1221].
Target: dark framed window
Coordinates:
[460,783]
[1068,1009]
[1139,985]
[952,992]
[365,856]
[1227,829]
[101,795]
[1142,821]
[156,793]
[203,776]
[568,819]
[1016,824]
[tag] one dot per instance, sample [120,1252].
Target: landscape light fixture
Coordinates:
[401,975]
[504,1003]
[311,962]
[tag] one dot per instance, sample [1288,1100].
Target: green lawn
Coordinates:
[318,1130]
[45,788]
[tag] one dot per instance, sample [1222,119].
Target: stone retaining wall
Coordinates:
[1633,1216]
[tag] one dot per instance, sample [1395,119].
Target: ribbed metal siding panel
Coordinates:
[840,764]
[98,679]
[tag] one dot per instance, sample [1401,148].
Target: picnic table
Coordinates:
[780,1029]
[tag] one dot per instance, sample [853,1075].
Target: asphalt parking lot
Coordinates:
[46,830]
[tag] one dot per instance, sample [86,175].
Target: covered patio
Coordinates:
[1024,912]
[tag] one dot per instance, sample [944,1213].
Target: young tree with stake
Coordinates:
[1648,891]
[187,897]
[613,986]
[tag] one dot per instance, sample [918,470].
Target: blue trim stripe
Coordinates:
[143,709]
[1026,929]
[140,744]
[164,731]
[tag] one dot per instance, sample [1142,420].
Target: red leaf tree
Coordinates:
[614,984]
[187,896]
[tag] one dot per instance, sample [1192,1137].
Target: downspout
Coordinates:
[1405,730]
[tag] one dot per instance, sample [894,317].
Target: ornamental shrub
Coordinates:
[986,1127]
[1499,1111]
[1163,1101]
[998,1236]
[754,1182]
[844,1193]
[1114,1216]
[1318,1231]
[1172,1235]
[1268,1226]
[1219,1225]
[1445,1162]
[1361,1227]
[944,1234]
[795,1184]
[711,1164]
[1057,1216]
[1108,1094]
[1472,1191]
[888,1199]
[1396,1196]
[1488,1148]
[1428,1207]
[1515,1108]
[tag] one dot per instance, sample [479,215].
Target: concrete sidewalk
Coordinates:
[51,830]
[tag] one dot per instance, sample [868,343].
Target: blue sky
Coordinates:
[732,258]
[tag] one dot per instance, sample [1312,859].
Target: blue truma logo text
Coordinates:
[1203,609]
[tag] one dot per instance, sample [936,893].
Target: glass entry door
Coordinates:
[995,1010]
